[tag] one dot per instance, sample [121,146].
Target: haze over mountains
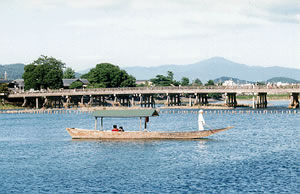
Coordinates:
[215,68]
[205,70]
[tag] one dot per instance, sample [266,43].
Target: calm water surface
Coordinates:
[261,154]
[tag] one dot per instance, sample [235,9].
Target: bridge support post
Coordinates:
[90,103]
[25,102]
[294,103]
[261,100]
[36,103]
[147,100]
[68,101]
[231,99]
[196,99]
[132,100]
[167,103]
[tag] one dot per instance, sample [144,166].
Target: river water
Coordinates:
[261,154]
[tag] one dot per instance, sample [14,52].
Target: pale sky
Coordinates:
[83,33]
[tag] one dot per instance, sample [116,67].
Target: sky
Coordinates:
[150,32]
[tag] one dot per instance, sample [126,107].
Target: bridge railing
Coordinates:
[137,89]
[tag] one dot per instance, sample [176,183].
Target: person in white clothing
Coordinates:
[201,121]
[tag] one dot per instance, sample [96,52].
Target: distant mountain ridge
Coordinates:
[205,70]
[215,68]
[283,80]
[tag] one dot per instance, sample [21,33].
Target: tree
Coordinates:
[210,83]
[106,75]
[185,81]
[45,72]
[170,76]
[197,82]
[69,73]
[161,80]
[76,84]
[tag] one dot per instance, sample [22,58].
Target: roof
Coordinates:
[126,113]
[68,82]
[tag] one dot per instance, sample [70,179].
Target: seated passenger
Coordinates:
[121,129]
[115,128]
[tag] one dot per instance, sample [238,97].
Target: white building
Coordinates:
[229,83]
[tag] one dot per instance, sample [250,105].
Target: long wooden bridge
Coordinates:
[146,96]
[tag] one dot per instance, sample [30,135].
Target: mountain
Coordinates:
[214,68]
[282,80]
[235,80]
[14,71]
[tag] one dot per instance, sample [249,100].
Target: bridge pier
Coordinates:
[100,100]
[230,99]
[173,100]
[147,100]
[201,99]
[261,101]
[120,100]
[294,103]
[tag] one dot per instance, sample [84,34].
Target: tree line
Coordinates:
[49,72]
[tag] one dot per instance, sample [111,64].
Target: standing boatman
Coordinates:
[201,121]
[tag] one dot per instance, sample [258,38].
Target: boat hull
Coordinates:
[95,134]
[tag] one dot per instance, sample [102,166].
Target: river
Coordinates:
[261,154]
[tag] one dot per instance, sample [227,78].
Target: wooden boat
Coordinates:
[142,113]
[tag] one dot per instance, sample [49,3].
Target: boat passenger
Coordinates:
[115,128]
[121,129]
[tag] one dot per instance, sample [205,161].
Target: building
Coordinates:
[229,83]
[67,82]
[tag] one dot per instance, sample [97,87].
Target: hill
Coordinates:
[282,80]
[214,68]
[14,71]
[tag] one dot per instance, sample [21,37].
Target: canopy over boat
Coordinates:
[126,113]
[142,113]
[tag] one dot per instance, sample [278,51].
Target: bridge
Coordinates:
[147,96]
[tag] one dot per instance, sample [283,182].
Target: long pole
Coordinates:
[145,126]
[101,123]
[95,123]
[140,123]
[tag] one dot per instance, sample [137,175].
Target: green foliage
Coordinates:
[170,76]
[45,72]
[69,73]
[76,84]
[210,83]
[161,80]
[185,81]
[3,88]
[197,82]
[260,83]
[106,75]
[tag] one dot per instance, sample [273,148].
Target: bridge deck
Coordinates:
[157,90]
